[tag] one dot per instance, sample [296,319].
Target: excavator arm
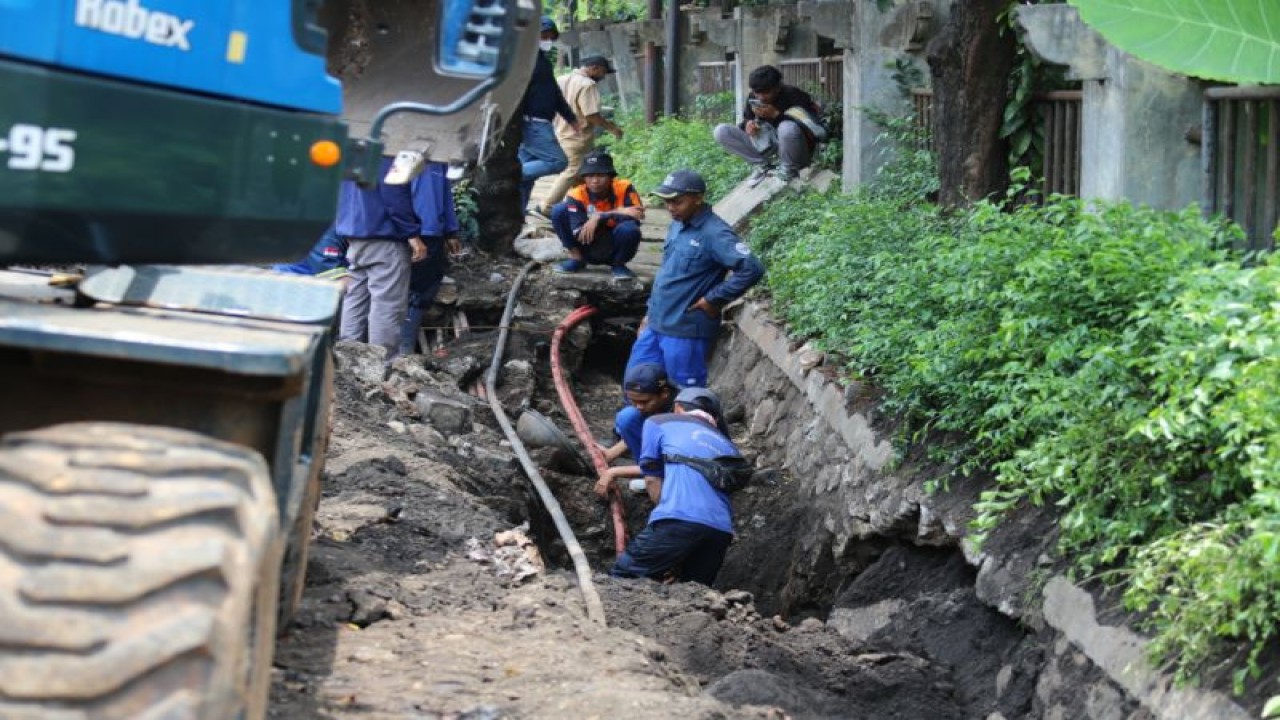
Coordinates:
[167,131]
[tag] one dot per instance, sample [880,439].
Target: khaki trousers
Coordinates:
[575,151]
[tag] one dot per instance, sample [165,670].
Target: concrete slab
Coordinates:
[745,199]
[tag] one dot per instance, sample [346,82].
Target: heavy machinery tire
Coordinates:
[139,572]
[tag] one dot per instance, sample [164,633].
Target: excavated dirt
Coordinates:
[438,589]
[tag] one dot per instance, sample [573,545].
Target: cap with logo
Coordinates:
[681,182]
[597,162]
[597,61]
[700,398]
[645,378]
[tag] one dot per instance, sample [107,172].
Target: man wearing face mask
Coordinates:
[580,90]
[540,153]
[780,124]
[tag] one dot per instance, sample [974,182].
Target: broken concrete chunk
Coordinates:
[367,608]
[447,415]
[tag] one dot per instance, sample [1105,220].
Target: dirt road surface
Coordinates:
[427,597]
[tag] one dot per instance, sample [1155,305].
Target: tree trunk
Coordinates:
[970,61]
[497,187]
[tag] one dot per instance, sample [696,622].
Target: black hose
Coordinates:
[595,609]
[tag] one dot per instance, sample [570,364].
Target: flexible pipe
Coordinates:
[595,609]
[580,423]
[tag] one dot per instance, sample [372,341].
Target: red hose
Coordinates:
[580,423]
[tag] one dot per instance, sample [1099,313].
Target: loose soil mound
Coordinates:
[414,609]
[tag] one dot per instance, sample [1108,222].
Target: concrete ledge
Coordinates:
[1121,654]
[826,397]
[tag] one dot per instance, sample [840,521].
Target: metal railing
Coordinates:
[922,117]
[1240,156]
[714,77]
[1060,114]
[823,77]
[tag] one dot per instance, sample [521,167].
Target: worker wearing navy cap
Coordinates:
[705,266]
[648,393]
[691,527]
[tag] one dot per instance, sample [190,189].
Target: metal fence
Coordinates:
[1060,115]
[823,77]
[1241,159]
[715,77]
[922,117]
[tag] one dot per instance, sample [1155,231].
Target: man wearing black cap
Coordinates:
[705,266]
[579,88]
[691,527]
[539,152]
[599,222]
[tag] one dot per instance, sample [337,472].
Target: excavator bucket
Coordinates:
[410,84]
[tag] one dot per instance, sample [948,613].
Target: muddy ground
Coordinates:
[426,600]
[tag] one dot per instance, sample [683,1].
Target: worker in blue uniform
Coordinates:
[705,266]
[691,527]
[648,393]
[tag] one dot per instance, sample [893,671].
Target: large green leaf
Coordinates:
[1230,40]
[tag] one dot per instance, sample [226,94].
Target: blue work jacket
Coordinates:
[421,208]
[696,258]
[686,494]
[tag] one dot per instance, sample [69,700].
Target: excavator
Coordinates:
[165,400]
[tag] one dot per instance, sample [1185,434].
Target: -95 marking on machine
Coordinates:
[32,147]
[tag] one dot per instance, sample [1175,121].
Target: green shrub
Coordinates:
[468,210]
[1215,376]
[1112,360]
[647,153]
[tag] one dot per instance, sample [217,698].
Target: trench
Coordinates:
[877,623]
[848,592]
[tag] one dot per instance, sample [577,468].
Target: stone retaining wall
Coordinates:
[853,493]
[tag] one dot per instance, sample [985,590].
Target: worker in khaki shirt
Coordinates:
[579,88]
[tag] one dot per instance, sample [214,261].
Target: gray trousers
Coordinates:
[378,294]
[791,147]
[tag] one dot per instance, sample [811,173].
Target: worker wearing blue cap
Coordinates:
[691,527]
[648,393]
[705,266]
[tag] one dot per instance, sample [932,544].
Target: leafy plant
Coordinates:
[906,75]
[647,153]
[1114,361]
[467,208]
[715,107]
[911,172]
[1236,41]
[613,10]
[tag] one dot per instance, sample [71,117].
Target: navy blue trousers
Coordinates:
[615,246]
[693,551]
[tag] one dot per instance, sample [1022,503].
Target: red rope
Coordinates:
[580,423]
